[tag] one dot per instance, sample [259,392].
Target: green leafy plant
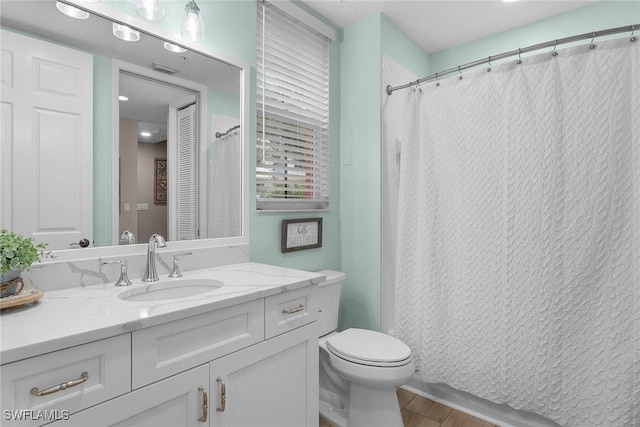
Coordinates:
[18,252]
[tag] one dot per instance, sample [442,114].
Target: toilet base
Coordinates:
[373,407]
[335,416]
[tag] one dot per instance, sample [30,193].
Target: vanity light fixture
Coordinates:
[149,10]
[71,11]
[174,48]
[125,33]
[192,22]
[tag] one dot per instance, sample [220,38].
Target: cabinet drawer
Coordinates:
[290,310]
[107,364]
[167,349]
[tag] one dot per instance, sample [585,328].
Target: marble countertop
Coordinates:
[75,316]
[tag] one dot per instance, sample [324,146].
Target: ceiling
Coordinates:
[436,25]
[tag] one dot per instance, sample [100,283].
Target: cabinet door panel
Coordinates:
[273,383]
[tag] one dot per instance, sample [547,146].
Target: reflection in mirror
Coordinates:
[61,179]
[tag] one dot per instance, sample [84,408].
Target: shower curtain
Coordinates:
[518,260]
[225,187]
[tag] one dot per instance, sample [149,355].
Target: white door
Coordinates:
[187,173]
[46,162]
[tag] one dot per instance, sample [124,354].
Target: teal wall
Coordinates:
[102,151]
[599,16]
[360,169]
[397,45]
[363,45]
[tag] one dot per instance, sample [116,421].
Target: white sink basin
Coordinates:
[179,288]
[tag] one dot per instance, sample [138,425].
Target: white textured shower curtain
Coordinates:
[225,188]
[518,275]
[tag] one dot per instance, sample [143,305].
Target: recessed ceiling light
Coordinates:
[71,11]
[123,98]
[125,33]
[174,48]
[145,134]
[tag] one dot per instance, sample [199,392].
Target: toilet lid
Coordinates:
[369,348]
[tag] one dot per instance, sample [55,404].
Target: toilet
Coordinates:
[359,369]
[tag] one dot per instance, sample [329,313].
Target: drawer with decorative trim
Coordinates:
[54,385]
[290,310]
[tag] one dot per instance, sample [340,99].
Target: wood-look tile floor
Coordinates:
[418,411]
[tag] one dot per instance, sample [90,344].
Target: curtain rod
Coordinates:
[552,43]
[220,135]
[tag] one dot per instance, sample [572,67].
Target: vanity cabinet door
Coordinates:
[273,383]
[176,401]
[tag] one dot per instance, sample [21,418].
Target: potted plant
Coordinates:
[17,253]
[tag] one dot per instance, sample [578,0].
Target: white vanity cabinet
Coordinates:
[248,364]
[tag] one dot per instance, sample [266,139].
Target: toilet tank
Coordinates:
[329,301]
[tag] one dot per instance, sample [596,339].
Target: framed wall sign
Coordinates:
[299,234]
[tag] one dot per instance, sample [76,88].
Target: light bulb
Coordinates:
[149,10]
[193,23]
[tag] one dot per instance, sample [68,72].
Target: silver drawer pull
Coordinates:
[298,309]
[72,383]
[223,395]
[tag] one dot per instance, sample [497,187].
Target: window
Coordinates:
[292,171]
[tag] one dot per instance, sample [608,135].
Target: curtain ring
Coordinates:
[633,30]
[519,61]
[489,61]
[459,72]
[437,82]
[555,45]
[593,37]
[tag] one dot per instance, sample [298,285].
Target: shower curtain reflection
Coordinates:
[225,202]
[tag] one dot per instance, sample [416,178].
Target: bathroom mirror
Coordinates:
[184,187]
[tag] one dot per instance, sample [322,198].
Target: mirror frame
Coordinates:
[104,11]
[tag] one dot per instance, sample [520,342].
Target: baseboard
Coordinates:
[501,415]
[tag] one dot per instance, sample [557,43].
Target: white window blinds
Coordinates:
[292,169]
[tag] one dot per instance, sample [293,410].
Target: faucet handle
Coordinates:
[123,280]
[175,272]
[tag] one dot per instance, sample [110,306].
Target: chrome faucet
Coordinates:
[150,273]
[128,238]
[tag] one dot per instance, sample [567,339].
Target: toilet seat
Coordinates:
[369,348]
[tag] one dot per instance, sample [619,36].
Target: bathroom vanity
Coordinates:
[244,353]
